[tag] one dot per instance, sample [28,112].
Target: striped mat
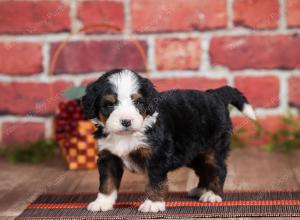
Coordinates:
[179,205]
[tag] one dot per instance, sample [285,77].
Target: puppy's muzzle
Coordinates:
[126,123]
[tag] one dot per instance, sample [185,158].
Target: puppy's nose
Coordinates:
[126,123]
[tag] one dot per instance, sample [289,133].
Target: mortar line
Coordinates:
[46,61]
[237,31]
[75,23]
[127,16]
[230,14]
[282,15]
[205,58]
[211,73]
[151,55]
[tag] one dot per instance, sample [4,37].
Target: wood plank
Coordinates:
[89,182]
[256,169]
[34,180]
[249,169]
[134,182]
[294,161]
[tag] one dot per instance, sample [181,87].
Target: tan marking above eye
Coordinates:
[110,98]
[136,96]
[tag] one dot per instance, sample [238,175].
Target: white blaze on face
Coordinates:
[125,85]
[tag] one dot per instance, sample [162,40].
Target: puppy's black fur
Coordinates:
[193,129]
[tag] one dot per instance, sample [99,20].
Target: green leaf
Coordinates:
[269,147]
[74,92]
[240,131]
[288,120]
[259,130]
[288,146]
[30,152]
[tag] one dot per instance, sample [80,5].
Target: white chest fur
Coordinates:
[121,145]
[131,166]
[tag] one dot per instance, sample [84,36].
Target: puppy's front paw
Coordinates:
[98,205]
[103,202]
[151,206]
[210,196]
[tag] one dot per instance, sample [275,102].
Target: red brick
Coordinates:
[293,13]
[93,56]
[294,91]
[268,123]
[257,52]
[20,58]
[17,132]
[98,12]
[26,98]
[34,17]
[256,14]
[177,15]
[198,83]
[260,91]
[177,54]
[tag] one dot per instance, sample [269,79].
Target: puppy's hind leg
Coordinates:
[213,182]
[212,173]
[197,165]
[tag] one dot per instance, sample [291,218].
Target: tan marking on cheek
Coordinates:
[144,114]
[103,119]
[110,98]
[136,97]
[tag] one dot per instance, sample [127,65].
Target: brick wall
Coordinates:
[200,44]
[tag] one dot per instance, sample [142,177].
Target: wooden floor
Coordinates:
[249,169]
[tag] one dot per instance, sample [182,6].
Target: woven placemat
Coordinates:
[179,205]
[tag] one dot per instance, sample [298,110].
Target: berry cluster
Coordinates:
[66,120]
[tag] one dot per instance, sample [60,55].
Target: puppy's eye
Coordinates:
[139,102]
[108,104]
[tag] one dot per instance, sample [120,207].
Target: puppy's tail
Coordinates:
[233,96]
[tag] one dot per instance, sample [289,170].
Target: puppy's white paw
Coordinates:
[98,205]
[103,202]
[150,206]
[210,196]
[196,192]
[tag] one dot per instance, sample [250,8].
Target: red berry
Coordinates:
[77,116]
[61,105]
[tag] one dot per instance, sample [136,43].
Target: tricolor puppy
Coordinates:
[154,133]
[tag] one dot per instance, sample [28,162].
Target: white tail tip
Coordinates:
[249,111]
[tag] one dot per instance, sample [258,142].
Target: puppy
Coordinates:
[154,133]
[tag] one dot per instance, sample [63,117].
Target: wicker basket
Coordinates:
[75,136]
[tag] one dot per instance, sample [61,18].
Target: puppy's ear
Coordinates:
[89,100]
[151,96]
